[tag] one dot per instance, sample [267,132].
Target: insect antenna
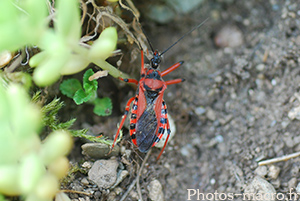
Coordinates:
[149,43]
[155,60]
[146,36]
[187,33]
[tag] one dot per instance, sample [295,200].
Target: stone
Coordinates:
[155,191]
[121,177]
[260,189]
[99,150]
[84,181]
[261,171]
[104,173]
[273,171]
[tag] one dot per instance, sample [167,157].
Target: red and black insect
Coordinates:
[149,116]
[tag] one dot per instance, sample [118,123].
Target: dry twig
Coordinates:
[279,159]
[136,181]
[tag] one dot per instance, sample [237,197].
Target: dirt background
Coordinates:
[238,105]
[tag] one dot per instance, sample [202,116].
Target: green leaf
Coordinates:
[80,97]
[66,125]
[70,87]
[50,111]
[68,19]
[2,198]
[103,106]
[37,12]
[89,86]
[102,139]
[73,89]
[105,44]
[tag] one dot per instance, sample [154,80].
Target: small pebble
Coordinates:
[200,111]
[218,79]
[294,113]
[196,140]
[226,119]
[262,186]
[84,181]
[273,82]
[118,190]
[219,138]
[111,196]
[276,183]
[155,191]
[260,67]
[273,123]
[134,195]
[298,188]
[288,138]
[292,183]
[172,182]
[127,153]
[187,150]
[297,40]
[212,181]
[261,171]
[87,164]
[97,194]
[285,123]
[104,173]
[211,115]
[122,150]
[121,177]
[273,171]
[295,171]
[229,36]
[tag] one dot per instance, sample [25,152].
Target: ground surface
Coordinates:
[233,109]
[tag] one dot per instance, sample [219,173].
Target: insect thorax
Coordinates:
[151,96]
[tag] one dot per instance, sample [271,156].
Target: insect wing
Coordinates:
[146,129]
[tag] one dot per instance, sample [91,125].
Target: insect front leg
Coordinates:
[122,122]
[171,68]
[134,81]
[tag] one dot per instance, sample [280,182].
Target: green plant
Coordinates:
[86,92]
[62,52]
[29,167]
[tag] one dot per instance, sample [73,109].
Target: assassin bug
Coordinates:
[149,116]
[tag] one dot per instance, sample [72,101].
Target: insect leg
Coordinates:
[171,68]
[176,81]
[143,71]
[133,120]
[129,80]
[122,122]
[163,126]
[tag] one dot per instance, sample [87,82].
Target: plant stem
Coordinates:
[113,71]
